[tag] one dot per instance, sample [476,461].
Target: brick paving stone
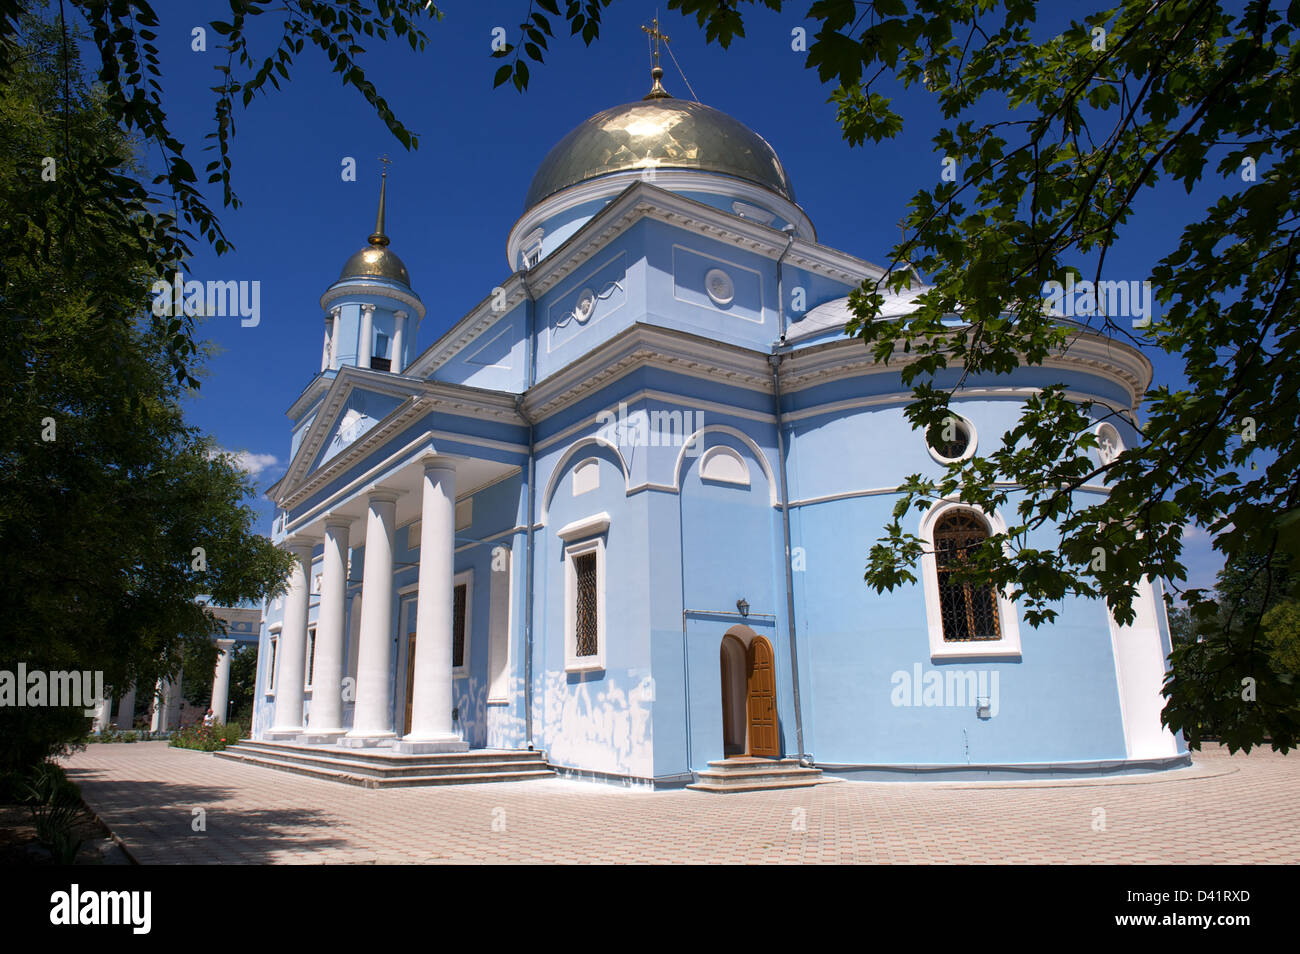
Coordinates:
[1228,809]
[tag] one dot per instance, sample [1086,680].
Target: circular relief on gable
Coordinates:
[951,440]
[719,286]
[1109,444]
[585,306]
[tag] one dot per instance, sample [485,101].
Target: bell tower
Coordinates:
[371,312]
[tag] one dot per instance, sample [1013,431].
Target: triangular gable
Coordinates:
[356,401]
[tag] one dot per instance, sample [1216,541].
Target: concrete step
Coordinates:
[754,774]
[372,781]
[378,770]
[387,756]
[346,760]
[759,786]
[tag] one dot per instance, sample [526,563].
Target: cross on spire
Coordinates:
[653,31]
[657,90]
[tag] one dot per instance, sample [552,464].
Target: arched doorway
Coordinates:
[748,675]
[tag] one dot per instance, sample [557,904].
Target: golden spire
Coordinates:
[657,90]
[378,238]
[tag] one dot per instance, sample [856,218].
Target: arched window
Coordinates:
[969,611]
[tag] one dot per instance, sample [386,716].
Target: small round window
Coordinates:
[1109,444]
[952,439]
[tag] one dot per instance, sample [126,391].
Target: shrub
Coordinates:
[56,809]
[211,738]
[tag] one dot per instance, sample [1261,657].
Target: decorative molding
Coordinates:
[616,185]
[642,346]
[586,527]
[353,288]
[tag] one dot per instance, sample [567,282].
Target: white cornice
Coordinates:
[685,179]
[353,287]
[849,357]
[648,346]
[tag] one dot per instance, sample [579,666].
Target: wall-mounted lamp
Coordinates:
[742,604]
[982,710]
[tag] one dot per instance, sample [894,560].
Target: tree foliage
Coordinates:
[162,223]
[115,515]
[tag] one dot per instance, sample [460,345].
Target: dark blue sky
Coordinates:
[453,201]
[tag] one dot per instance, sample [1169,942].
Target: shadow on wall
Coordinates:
[600,726]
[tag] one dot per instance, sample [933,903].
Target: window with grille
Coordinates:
[275,646]
[458,601]
[311,655]
[951,439]
[969,611]
[585,609]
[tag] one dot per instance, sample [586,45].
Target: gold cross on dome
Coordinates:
[386,161]
[653,31]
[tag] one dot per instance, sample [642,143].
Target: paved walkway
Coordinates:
[1227,809]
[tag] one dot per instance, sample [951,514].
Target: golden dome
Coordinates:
[377,260]
[659,132]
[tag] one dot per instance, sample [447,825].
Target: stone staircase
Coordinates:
[754,775]
[385,768]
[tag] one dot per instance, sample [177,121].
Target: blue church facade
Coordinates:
[619,511]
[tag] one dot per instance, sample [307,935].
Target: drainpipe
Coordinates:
[529,317]
[775,360]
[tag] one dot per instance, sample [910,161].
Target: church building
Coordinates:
[617,515]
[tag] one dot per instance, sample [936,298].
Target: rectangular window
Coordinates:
[585,632]
[585,619]
[311,656]
[275,646]
[462,622]
[458,627]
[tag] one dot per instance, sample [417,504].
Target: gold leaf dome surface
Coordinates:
[376,261]
[659,132]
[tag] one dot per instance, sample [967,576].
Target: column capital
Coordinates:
[339,521]
[367,309]
[380,494]
[225,644]
[438,462]
[400,314]
[299,541]
[336,311]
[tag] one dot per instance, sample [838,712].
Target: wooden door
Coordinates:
[763,741]
[410,679]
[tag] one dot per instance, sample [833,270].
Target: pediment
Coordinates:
[355,403]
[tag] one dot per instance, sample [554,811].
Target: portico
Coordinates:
[358,708]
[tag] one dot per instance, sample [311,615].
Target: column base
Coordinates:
[282,735]
[377,740]
[321,736]
[432,745]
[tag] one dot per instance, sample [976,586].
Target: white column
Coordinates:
[325,721]
[325,347]
[103,708]
[336,312]
[157,718]
[1140,673]
[126,710]
[431,726]
[373,719]
[220,704]
[366,342]
[166,705]
[291,658]
[399,332]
